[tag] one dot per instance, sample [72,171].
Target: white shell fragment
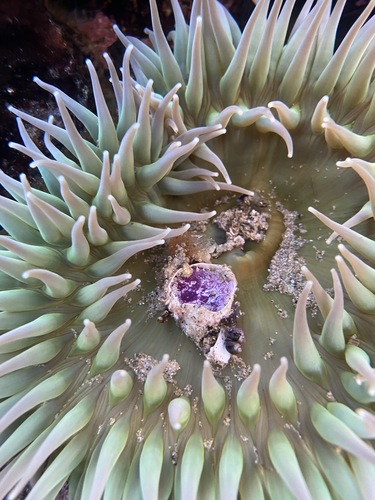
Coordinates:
[218,353]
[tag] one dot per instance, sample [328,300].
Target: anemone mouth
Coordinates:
[201,187]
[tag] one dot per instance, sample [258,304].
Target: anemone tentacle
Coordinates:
[102,390]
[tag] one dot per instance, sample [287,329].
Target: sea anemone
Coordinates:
[111,382]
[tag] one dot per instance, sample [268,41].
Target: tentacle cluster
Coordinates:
[357,277]
[226,75]
[63,263]
[84,398]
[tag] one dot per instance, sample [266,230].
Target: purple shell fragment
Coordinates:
[205,287]
[200,297]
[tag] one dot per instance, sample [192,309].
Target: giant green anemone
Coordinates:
[100,388]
